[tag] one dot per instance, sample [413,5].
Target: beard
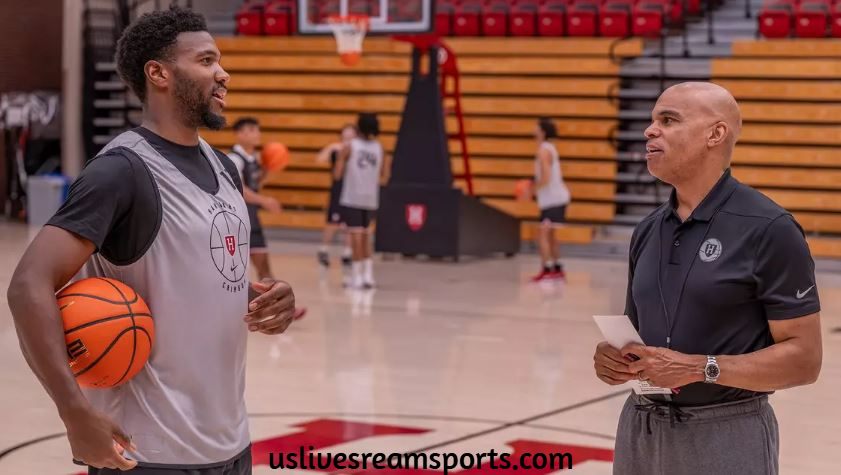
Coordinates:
[194,105]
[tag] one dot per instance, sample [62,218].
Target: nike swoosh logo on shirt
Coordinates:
[800,294]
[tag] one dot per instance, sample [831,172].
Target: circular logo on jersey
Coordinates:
[710,250]
[229,245]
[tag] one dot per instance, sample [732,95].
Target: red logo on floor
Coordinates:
[325,433]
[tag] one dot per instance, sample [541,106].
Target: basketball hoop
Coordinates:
[349,32]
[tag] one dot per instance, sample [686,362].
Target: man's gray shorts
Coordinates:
[740,438]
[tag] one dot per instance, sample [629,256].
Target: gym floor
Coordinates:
[440,358]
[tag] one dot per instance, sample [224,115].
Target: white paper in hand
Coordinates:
[618,331]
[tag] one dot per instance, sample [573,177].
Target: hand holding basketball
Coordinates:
[273,310]
[96,441]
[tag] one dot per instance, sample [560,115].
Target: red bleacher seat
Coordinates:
[647,19]
[582,20]
[611,17]
[775,21]
[250,19]
[693,6]
[615,18]
[810,21]
[279,19]
[495,19]
[550,20]
[672,9]
[444,19]
[466,19]
[522,21]
[836,21]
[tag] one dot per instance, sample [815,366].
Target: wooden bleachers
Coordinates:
[581,128]
[789,147]
[393,103]
[790,90]
[812,134]
[302,95]
[484,65]
[795,48]
[391,84]
[781,68]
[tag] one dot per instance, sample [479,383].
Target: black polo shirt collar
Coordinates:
[718,195]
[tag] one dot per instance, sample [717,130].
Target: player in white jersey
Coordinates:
[552,198]
[334,222]
[361,164]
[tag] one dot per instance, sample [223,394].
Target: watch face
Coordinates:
[712,371]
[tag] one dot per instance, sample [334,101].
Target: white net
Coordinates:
[350,33]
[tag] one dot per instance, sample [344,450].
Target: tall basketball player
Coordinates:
[334,215]
[244,156]
[361,164]
[552,198]
[154,210]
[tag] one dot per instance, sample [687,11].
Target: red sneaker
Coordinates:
[543,275]
[560,275]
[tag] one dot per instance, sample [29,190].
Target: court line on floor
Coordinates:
[22,445]
[522,421]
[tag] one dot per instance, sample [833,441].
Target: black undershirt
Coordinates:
[114,202]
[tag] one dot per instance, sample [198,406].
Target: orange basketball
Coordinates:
[522,190]
[275,156]
[108,330]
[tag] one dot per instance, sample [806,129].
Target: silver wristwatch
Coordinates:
[711,370]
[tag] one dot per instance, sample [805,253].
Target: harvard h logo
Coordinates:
[710,250]
[415,216]
[231,244]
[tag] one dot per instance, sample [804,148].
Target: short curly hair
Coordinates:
[151,37]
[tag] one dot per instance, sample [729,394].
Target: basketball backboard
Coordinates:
[385,16]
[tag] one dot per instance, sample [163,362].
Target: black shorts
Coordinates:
[334,209]
[553,215]
[257,240]
[355,217]
[239,465]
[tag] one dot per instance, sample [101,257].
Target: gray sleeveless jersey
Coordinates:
[361,187]
[186,406]
[555,193]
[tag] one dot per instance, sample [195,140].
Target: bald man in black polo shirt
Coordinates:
[722,290]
